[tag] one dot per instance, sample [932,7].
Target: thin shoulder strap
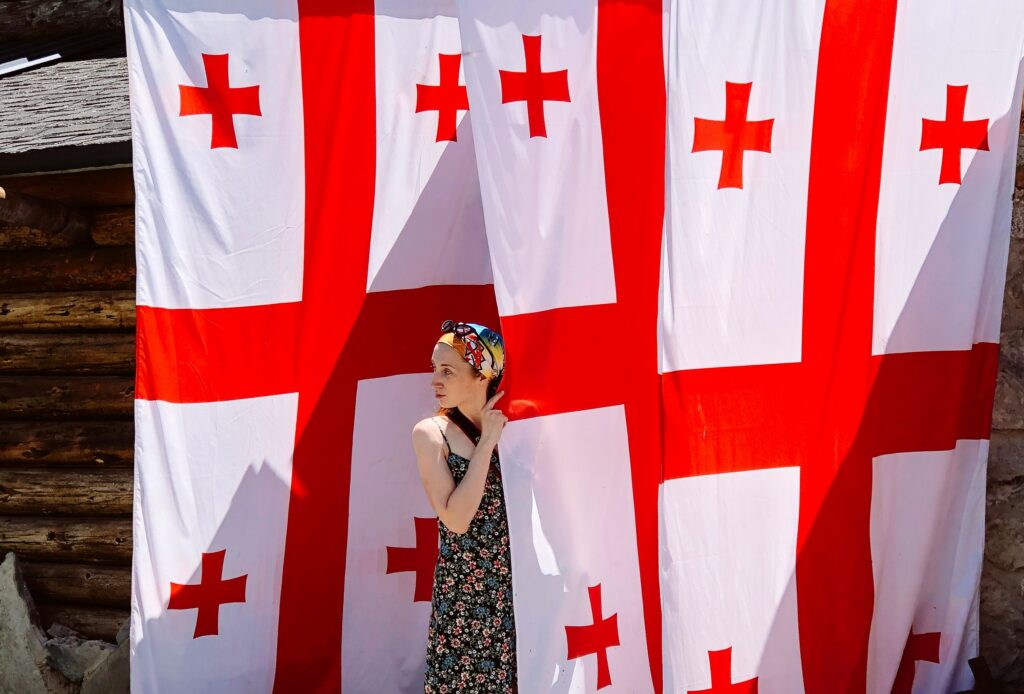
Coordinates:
[442,435]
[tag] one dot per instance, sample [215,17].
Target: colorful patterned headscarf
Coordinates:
[477,344]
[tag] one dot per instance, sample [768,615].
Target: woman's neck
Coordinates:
[473,412]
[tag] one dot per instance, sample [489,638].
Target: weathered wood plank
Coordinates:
[28,19]
[79,583]
[16,237]
[114,227]
[96,353]
[67,270]
[68,492]
[68,397]
[60,220]
[39,444]
[87,189]
[103,310]
[91,622]
[79,540]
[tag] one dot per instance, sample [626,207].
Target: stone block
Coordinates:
[23,667]
[1002,581]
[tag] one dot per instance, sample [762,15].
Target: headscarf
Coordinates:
[482,347]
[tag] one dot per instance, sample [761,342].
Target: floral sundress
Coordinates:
[471,641]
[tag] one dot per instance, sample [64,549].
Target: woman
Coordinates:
[471,639]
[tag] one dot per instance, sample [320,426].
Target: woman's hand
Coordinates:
[492,421]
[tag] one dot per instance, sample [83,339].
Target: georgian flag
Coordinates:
[748,262]
[309,213]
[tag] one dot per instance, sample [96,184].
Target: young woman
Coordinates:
[471,641]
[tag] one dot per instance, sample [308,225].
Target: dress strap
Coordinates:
[442,435]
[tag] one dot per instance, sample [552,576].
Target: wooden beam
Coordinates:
[91,622]
[65,222]
[79,583]
[58,444]
[78,353]
[102,310]
[66,397]
[14,237]
[67,270]
[96,188]
[27,492]
[30,19]
[114,227]
[37,538]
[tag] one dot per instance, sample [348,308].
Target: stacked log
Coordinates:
[67,361]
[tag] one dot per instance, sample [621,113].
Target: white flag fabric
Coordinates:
[748,263]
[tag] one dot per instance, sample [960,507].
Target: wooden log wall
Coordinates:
[67,361]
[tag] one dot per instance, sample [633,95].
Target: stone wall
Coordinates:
[1002,581]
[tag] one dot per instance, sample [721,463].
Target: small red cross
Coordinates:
[534,86]
[734,135]
[420,558]
[954,134]
[209,594]
[219,100]
[447,98]
[595,638]
[721,676]
[919,647]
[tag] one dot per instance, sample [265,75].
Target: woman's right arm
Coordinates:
[454,504]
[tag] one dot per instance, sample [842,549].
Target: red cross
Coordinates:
[594,638]
[447,98]
[319,347]
[219,100]
[721,676]
[840,406]
[534,86]
[919,647]
[421,558]
[954,134]
[734,136]
[209,594]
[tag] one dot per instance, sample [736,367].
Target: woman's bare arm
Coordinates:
[454,504]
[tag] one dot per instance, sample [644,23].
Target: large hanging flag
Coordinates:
[308,215]
[751,363]
[839,186]
[569,117]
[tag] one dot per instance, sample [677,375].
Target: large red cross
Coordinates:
[448,97]
[419,559]
[534,86]
[595,638]
[734,136]
[919,647]
[840,406]
[954,134]
[208,595]
[720,663]
[219,100]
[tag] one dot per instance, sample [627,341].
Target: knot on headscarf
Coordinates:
[482,347]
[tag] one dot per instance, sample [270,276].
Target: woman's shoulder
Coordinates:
[427,437]
[428,428]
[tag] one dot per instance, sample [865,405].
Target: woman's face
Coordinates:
[454,381]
